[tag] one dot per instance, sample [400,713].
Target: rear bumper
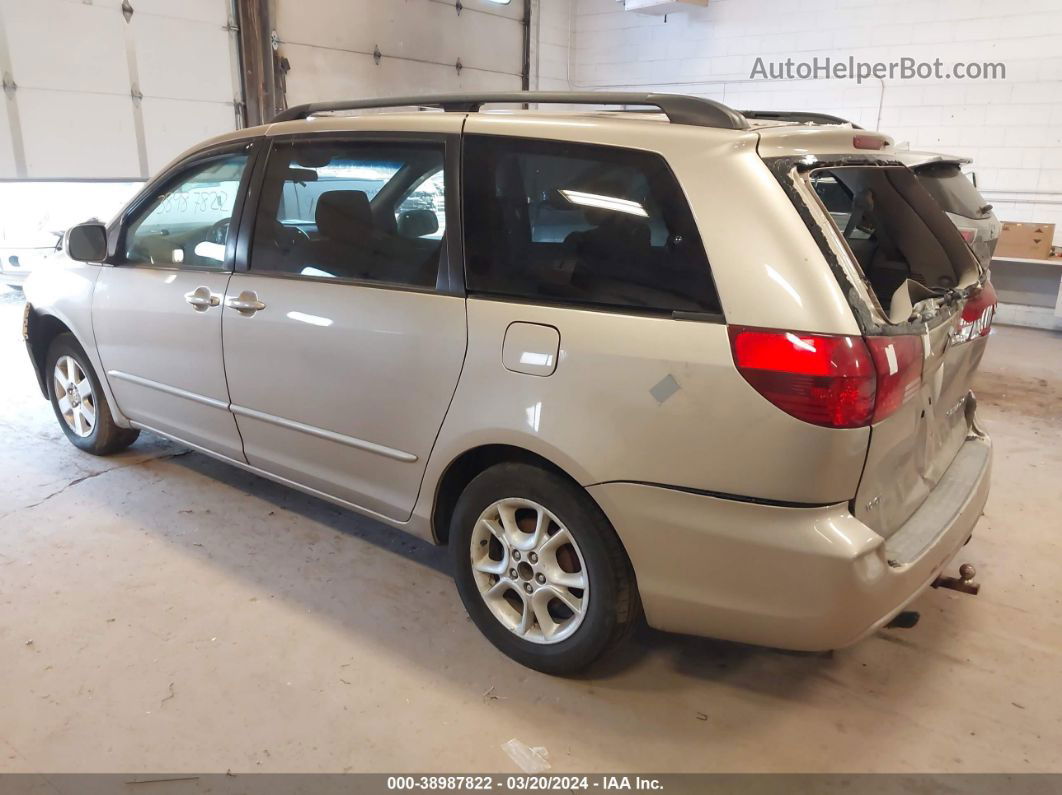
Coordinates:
[798,578]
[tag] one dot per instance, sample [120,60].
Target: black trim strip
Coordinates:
[546,301]
[698,317]
[722,495]
[249,210]
[455,215]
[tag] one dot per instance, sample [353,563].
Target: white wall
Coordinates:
[329,44]
[1012,128]
[552,29]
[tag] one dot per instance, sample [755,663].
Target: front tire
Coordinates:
[78,400]
[540,570]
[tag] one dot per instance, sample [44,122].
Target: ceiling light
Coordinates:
[604,202]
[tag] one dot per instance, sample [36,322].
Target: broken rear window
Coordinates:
[895,229]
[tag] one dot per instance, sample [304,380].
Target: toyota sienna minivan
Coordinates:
[621,363]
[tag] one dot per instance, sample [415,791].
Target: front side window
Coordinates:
[581,224]
[352,210]
[187,224]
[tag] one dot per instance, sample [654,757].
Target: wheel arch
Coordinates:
[470,463]
[41,327]
[40,330]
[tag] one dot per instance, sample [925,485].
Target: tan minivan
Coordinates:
[618,361]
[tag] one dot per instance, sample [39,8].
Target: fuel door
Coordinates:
[531,348]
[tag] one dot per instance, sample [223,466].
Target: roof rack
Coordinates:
[799,116]
[678,108]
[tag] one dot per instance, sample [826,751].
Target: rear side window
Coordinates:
[953,190]
[580,224]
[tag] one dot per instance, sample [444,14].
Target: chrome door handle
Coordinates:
[245,303]
[202,299]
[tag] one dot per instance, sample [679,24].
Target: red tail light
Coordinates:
[898,362]
[836,381]
[977,314]
[822,379]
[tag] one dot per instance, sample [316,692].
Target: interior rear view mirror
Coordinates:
[87,242]
[417,223]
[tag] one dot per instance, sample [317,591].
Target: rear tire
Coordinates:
[540,570]
[78,400]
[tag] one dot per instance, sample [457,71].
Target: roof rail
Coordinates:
[679,108]
[800,116]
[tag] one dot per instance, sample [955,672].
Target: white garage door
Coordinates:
[92,94]
[330,46]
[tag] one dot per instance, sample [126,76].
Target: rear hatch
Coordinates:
[925,306]
[966,207]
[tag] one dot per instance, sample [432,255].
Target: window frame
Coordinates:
[117,233]
[704,316]
[450,279]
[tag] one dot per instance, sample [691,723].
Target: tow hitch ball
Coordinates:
[964,583]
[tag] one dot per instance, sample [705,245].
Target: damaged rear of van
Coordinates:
[887,412]
[925,306]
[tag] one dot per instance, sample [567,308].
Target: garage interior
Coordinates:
[161,611]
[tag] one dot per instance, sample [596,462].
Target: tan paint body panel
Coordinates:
[597,418]
[373,368]
[162,357]
[797,578]
[790,140]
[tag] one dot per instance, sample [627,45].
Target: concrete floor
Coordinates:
[163,612]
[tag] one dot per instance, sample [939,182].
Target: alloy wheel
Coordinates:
[529,570]
[74,396]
